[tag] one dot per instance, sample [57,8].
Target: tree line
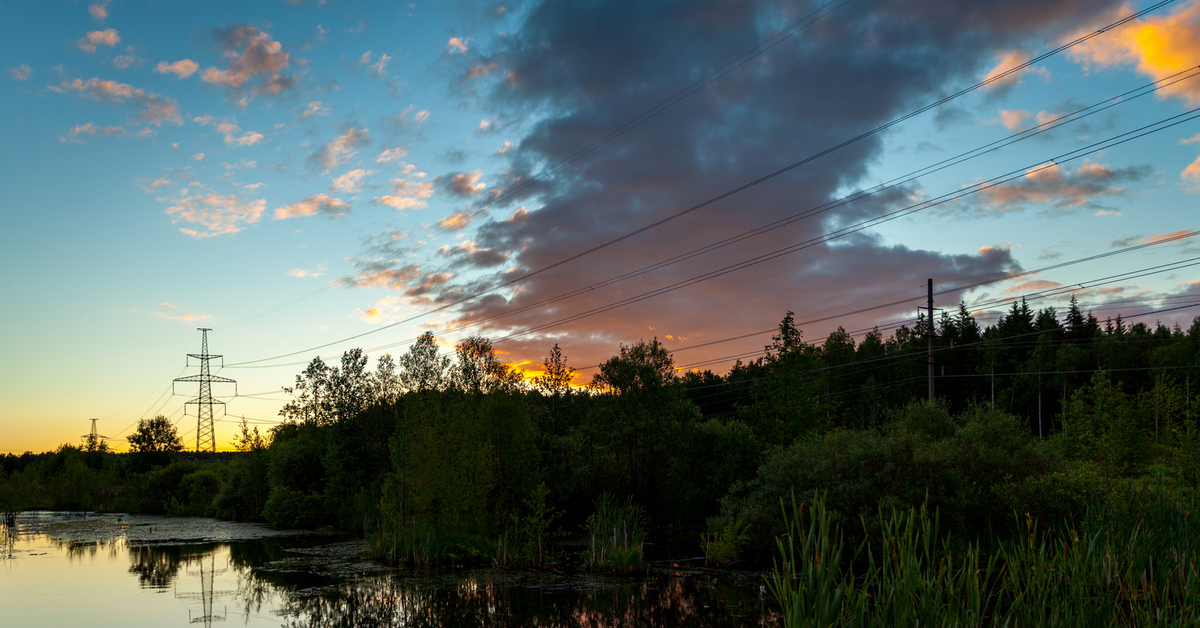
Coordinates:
[440,459]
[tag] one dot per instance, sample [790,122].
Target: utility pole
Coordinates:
[929,337]
[205,434]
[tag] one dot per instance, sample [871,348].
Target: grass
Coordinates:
[1130,563]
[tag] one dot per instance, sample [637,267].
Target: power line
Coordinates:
[803,23]
[987,81]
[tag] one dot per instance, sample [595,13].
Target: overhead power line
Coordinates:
[988,81]
[808,20]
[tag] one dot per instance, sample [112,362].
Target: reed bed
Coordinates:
[1128,563]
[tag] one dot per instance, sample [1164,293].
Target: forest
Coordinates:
[1043,427]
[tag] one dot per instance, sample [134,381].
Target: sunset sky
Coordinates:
[305,177]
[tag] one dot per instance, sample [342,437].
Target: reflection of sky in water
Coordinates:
[156,571]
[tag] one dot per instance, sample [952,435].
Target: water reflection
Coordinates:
[403,602]
[311,581]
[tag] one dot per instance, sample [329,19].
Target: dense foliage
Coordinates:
[440,459]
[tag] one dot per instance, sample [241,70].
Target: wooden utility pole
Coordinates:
[929,337]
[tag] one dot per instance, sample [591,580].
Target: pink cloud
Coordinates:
[313,205]
[181,69]
[152,108]
[217,214]
[106,37]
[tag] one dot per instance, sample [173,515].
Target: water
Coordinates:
[62,569]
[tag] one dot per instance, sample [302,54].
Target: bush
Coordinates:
[287,508]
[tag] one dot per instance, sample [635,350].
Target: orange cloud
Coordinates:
[154,108]
[99,11]
[456,221]
[106,37]
[20,73]
[1157,46]
[351,181]
[1014,119]
[72,136]
[1059,187]
[1007,62]
[313,205]
[407,194]
[181,69]
[340,148]
[218,214]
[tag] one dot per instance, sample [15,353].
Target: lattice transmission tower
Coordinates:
[206,437]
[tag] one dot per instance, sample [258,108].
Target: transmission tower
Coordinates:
[93,441]
[205,435]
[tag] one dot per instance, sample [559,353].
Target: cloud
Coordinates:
[480,70]
[167,311]
[1007,61]
[349,182]
[1026,286]
[20,73]
[1155,239]
[313,205]
[230,130]
[106,37]
[378,69]
[1061,188]
[461,184]
[505,148]
[557,74]
[217,214]
[391,154]
[99,11]
[72,136]
[486,126]
[313,109]
[456,221]
[181,69]
[300,272]
[198,156]
[471,254]
[1014,119]
[122,62]
[407,194]
[1157,46]
[152,108]
[457,45]
[1191,177]
[340,148]
[256,61]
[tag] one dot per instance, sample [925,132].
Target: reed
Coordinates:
[1130,563]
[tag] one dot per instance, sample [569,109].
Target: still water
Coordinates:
[63,569]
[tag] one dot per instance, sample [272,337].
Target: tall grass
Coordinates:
[616,535]
[1130,563]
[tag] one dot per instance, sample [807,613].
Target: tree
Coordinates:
[249,440]
[154,442]
[422,368]
[324,395]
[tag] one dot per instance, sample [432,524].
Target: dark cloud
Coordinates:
[460,184]
[580,70]
[256,62]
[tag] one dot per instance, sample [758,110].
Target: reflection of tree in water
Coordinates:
[157,566]
[668,602]
[78,550]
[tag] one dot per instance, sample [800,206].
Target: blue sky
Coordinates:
[296,174]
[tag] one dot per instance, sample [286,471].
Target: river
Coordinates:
[73,569]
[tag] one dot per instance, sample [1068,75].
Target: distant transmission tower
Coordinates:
[93,441]
[206,437]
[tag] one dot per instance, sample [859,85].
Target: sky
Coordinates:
[305,177]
